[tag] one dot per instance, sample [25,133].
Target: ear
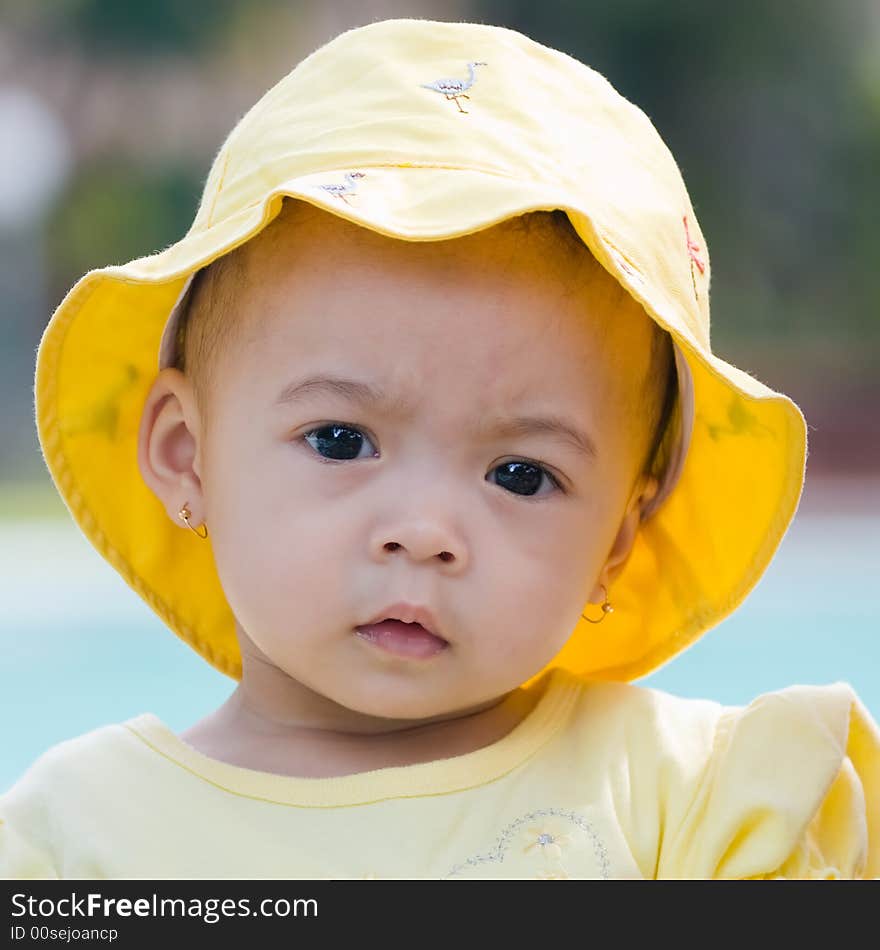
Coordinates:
[645,490]
[169,445]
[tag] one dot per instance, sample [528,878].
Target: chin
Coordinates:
[383,701]
[387,707]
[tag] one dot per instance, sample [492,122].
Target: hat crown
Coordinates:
[378,96]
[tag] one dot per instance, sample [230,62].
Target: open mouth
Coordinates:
[402,639]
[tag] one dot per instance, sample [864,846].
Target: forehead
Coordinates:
[530,244]
[521,299]
[305,246]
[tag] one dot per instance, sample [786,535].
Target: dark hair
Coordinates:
[209,324]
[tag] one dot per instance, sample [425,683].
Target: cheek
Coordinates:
[270,503]
[284,592]
[538,583]
[280,559]
[556,546]
[529,611]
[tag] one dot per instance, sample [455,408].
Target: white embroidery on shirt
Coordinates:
[543,839]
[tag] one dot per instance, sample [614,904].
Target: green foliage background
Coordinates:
[771,108]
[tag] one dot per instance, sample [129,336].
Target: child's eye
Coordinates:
[338,442]
[342,442]
[523,478]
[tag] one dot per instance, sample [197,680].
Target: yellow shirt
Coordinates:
[600,780]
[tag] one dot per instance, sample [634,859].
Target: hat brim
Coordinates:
[693,562]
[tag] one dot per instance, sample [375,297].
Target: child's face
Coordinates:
[315,531]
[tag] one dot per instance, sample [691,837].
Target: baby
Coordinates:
[435,398]
[358,419]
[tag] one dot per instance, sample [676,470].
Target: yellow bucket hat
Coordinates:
[370,128]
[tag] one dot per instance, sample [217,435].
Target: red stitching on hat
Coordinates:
[693,247]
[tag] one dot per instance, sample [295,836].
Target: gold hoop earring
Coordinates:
[606,608]
[184,514]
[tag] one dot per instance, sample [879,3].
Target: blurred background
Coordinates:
[111,112]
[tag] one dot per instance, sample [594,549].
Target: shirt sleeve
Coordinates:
[791,790]
[20,859]
[25,822]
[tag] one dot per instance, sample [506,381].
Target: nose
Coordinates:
[422,542]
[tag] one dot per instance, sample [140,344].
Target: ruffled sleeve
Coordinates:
[791,789]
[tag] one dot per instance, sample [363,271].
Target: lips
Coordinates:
[409,613]
[405,640]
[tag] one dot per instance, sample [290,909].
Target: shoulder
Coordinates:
[651,725]
[636,754]
[785,785]
[51,796]
[815,721]
[73,758]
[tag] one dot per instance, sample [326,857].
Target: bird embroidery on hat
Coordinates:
[693,247]
[341,189]
[455,88]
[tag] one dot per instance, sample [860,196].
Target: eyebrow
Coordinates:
[368,395]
